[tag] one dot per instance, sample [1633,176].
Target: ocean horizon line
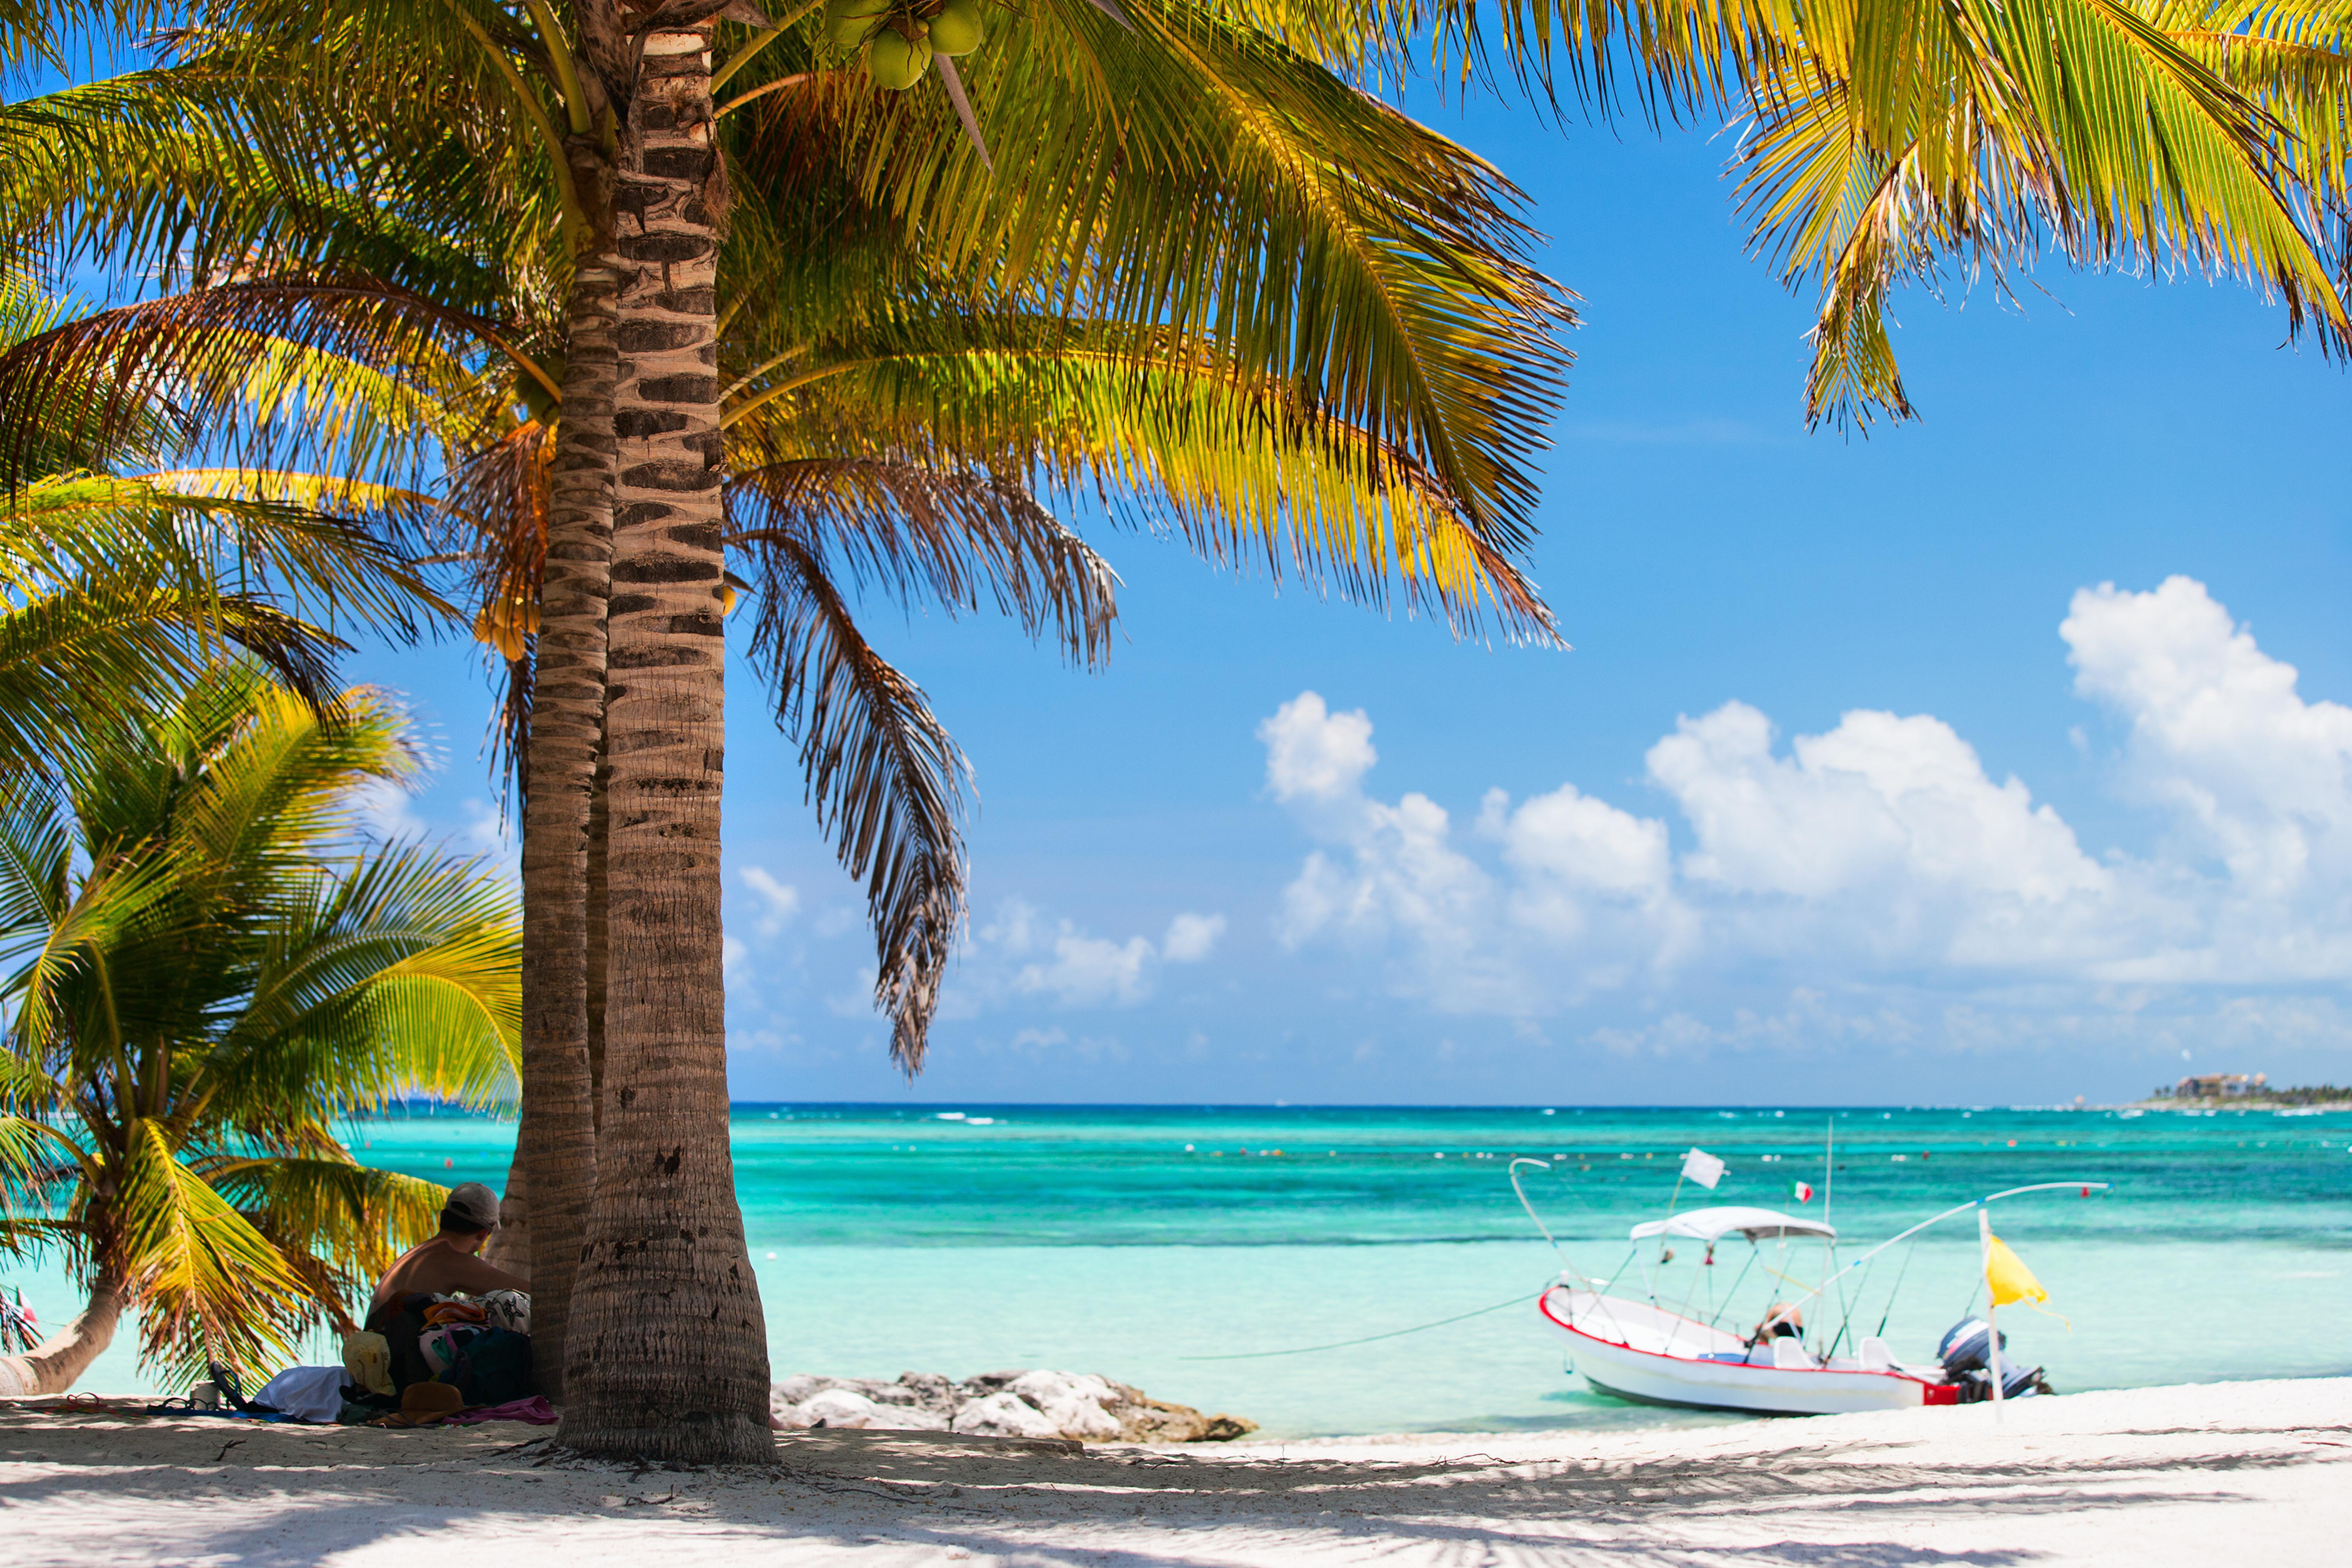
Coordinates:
[1559,1107]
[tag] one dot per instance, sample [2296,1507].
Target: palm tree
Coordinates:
[207,968]
[1299,274]
[1492,369]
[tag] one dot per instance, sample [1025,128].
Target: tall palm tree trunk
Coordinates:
[668,1349]
[555,1146]
[57,1361]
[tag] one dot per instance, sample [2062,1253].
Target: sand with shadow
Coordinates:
[2217,1474]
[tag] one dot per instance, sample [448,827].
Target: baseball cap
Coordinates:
[474,1203]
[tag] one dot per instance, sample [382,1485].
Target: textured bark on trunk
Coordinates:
[57,1361]
[556,1143]
[668,1349]
[599,941]
[509,1245]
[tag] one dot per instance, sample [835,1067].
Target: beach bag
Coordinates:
[493,1367]
[442,1347]
[508,1310]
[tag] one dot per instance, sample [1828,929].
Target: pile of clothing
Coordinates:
[422,1359]
[478,1349]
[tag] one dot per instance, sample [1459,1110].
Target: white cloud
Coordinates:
[1312,753]
[388,811]
[777,900]
[491,832]
[1192,937]
[1089,971]
[1878,854]
[1017,953]
[2259,778]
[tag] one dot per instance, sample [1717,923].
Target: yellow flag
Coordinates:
[2011,1279]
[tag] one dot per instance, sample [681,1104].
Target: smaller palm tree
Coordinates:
[207,966]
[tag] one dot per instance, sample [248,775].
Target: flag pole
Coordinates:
[1828,1172]
[1992,1325]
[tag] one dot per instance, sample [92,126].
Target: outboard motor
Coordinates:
[1964,1352]
[1963,1346]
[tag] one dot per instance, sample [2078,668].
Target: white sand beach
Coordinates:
[2216,1474]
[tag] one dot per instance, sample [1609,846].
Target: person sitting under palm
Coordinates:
[448,1263]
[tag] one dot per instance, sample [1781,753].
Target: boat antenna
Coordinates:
[1522,1192]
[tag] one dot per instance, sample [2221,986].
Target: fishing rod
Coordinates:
[1958,1208]
[1900,1275]
[1543,1165]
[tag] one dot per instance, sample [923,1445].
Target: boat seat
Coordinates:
[1876,1355]
[1789,1355]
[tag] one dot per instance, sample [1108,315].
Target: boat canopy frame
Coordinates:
[1793,1227]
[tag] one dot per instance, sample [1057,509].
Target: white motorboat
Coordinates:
[1653,1353]
[1641,1352]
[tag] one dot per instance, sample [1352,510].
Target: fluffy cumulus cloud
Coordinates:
[777,901]
[1192,937]
[1878,854]
[1018,958]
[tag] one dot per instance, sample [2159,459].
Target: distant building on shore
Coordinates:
[2220,1086]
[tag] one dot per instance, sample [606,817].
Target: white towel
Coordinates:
[305,1393]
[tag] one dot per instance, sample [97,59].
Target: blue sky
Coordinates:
[1934,850]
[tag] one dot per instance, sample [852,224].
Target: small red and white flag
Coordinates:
[1802,1192]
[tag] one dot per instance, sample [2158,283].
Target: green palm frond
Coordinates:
[338,1223]
[1247,469]
[86,655]
[399,974]
[278,780]
[264,154]
[210,1286]
[1189,175]
[38,1166]
[1910,137]
[206,965]
[60,970]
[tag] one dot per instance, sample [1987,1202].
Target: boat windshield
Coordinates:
[1713,1224]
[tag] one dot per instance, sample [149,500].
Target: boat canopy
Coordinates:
[1713,1224]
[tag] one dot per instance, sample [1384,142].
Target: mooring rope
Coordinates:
[1368,1339]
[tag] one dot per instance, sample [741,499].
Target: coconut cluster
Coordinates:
[504,623]
[895,39]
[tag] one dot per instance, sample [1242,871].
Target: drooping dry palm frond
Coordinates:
[883,774]
[498,506]
[929,531]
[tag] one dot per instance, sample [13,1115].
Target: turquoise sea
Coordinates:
[1140,1241]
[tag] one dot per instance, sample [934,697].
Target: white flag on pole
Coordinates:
[1702,1167]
